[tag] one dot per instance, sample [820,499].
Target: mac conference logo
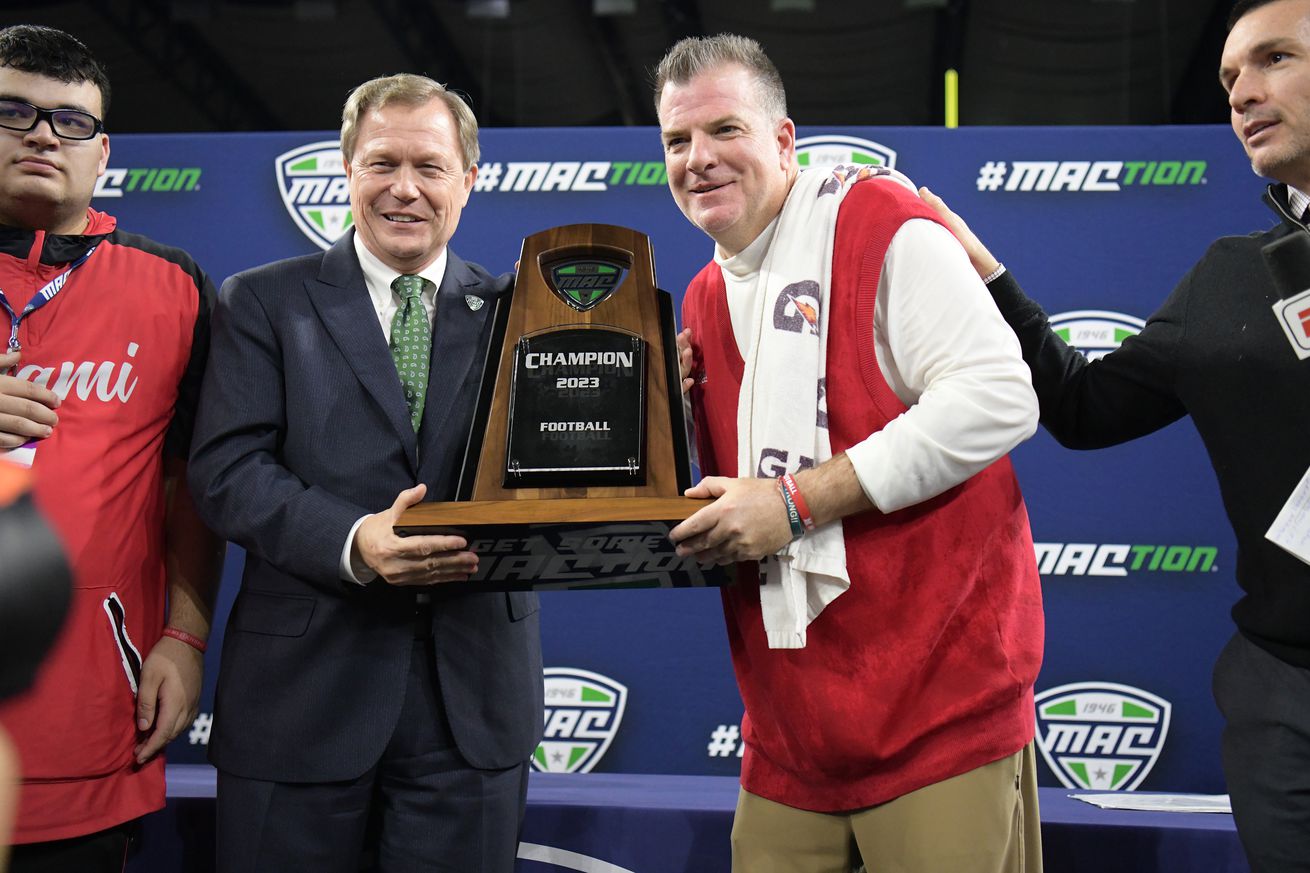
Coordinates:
[1095,332]
[582,283]
[312,182]
[1101,736]
[583,713]
[831,150]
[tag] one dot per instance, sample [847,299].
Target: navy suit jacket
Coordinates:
[302,430]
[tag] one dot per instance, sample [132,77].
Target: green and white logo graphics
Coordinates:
[831,150]
[519,177]
[1117,559]
[583,713]
[1101,736]
[312,182]
[576,176]
[117,181]
[1095,332]
[1054,176]
[582,283]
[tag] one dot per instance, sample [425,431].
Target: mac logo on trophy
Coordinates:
[577,457]
[586,280]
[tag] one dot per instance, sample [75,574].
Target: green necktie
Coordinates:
[411,344]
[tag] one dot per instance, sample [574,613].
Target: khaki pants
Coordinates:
[983,821]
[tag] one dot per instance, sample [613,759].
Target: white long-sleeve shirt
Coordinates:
[943,349]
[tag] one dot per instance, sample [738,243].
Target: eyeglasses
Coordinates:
[66,123]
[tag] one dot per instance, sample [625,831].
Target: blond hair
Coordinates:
[411,90]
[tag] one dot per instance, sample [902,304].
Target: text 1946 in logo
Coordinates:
[1095,332]
[830,150]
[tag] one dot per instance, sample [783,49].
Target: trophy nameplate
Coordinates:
[577,456]
[577,409]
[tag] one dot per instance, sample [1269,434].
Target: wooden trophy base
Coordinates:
[569,543]
[577,456]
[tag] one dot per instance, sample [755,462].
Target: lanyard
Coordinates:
[41,298]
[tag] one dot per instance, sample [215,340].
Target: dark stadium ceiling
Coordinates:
[206,65]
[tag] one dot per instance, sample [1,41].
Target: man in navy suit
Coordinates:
[363,708]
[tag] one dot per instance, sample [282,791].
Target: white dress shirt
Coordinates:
[1297,201]
[378,277]
[386,302]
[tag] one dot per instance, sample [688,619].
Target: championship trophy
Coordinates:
[577,457]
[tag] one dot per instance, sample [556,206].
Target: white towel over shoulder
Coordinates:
[787,427]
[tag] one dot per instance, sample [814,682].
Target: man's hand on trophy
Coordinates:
[686,359]
[745,523]
[420,560]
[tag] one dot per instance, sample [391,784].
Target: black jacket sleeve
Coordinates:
[1128,393]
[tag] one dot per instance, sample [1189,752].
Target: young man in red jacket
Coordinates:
[104,340]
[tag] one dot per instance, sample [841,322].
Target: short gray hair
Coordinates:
[410,90]
[697,54]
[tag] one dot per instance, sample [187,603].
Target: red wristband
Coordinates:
[794,492]
[191,640]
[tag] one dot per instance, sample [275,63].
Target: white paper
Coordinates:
[1158,802]
[1291,529]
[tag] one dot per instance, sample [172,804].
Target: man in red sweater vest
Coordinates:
[855,394]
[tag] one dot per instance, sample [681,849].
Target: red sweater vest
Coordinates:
[924,669]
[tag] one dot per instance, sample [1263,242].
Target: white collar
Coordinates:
[748,261]
[1297,202]
[378,276]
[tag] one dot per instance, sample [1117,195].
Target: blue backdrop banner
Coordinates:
[1098,223]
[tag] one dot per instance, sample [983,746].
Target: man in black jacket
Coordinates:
[1216,352]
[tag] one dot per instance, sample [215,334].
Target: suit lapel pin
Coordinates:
[474,301]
